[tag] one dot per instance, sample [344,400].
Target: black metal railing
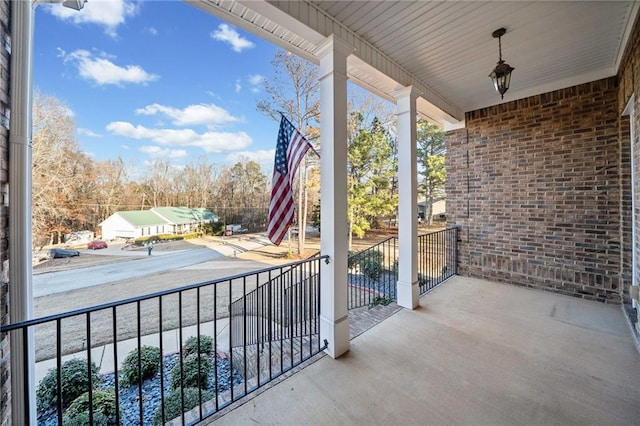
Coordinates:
[372,274]
[437,257]
[202,346]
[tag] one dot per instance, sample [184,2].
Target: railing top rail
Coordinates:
[441,230]
[373,246]
[37,321]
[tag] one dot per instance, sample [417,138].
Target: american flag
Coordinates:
[291,147]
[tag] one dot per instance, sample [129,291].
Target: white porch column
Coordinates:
[20,253]
[407,290]
[334,324]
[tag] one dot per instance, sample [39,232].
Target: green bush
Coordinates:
[173,403]
[150,365]
[74,381]
[82,419]
[141,241]
[216,228]
[191,345]
[422,279]
[352,260]
[379,300]
[371,265]
[192,378]
[104,408]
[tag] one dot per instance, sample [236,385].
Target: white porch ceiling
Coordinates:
[445,48]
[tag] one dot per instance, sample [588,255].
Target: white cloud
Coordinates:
[208,114]
[67,111]
[88,132]
[256,79]
[209,142]
[238,86]
[229,35]
[263,157]
[102,71]
[152,31]
[107,13]
[157,152]
[125,147]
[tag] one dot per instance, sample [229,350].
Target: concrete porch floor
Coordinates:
[474,353]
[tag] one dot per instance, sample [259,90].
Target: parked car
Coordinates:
[58,253]
[97,244]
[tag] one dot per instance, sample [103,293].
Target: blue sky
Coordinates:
[156,80]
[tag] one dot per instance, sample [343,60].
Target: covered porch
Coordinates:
[542,185]
[474,352]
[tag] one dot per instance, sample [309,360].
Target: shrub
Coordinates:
[82,419]
[173,403]
[423,279]
[74,381]
[380,300]
[352,260]
[191,345]
[150,364]
[191,378]
[371,265]
[104,408]
[215,228]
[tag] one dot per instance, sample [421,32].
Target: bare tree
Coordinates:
[295,93]
[110,179]
[59,171]
[159,184]
[241,195]
[196,182]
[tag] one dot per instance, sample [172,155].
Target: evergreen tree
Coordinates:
[371,168]
[430,152]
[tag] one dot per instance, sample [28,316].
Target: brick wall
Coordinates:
[535,185]
[5,382]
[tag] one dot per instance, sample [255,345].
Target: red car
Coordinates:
[95,245]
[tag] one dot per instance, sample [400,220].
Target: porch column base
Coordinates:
[408,294]
[337,335]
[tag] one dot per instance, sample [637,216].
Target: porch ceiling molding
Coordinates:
[445,49]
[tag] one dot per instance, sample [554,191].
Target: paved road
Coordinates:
[58,282]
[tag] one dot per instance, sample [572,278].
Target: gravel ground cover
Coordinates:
[129,397]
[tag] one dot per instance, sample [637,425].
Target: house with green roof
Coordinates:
[158,220]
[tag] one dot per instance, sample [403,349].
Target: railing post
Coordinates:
[334,320]
[408,291]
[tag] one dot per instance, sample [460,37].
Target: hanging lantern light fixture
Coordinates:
[501,74]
